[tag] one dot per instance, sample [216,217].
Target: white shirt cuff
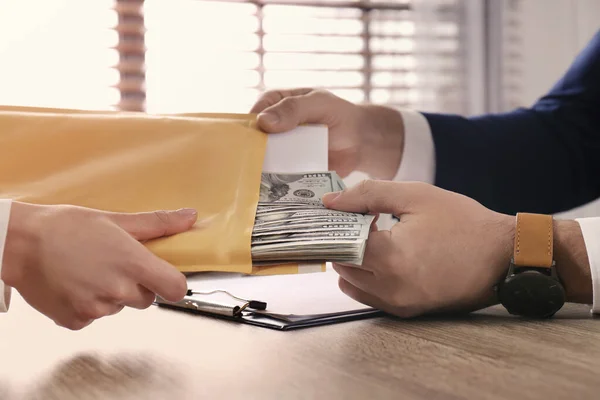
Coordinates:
[5,290]
[418,157]
[590,228]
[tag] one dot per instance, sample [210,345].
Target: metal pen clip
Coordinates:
[213,307]
[252,304]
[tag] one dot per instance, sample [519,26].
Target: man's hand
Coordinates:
[363,138]
[446,254]
[76,265]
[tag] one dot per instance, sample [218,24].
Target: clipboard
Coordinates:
[284,302]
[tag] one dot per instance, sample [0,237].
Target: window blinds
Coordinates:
[131,50]
[219,55]
[511,47]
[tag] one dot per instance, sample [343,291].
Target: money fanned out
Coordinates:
[292,224]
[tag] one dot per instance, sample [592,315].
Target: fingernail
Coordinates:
[269,118]
[331,196]
[188,212]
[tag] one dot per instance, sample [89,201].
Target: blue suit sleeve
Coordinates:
[543,159]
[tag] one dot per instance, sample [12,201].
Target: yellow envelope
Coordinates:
[132,162]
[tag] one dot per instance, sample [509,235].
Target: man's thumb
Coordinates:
[369,197]
[151,225]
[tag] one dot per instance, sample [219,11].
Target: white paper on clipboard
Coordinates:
[291,296]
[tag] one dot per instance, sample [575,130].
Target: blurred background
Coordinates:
[168,56]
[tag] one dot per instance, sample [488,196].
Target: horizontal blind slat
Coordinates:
[198,52]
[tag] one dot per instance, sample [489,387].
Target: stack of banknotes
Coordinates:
[293,225]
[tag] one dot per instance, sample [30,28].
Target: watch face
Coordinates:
[532,294]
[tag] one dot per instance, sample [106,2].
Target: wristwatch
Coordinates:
[531,287]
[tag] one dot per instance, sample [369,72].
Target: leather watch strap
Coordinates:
[534,240]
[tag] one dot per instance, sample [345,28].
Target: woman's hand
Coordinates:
[76,265]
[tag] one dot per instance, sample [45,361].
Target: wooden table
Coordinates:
[165,354]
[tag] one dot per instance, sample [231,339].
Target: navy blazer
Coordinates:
[543,159]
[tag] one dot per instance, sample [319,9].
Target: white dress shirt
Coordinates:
[418,164]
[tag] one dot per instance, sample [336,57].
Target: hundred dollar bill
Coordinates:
[358,221]
[313,224]
[321,256]
[283,214]
[306,188]
[306,237]
[320,250]
[331,247]
[332,244]
[288,205]
[308,221]
[321,231]
[324,229]
[265,210]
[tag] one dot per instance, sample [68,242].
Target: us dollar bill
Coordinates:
[298,189]
[317,223]
[301,238]
[276,224]
[285,214]
[292,224]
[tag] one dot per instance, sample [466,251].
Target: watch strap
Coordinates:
[534,241]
